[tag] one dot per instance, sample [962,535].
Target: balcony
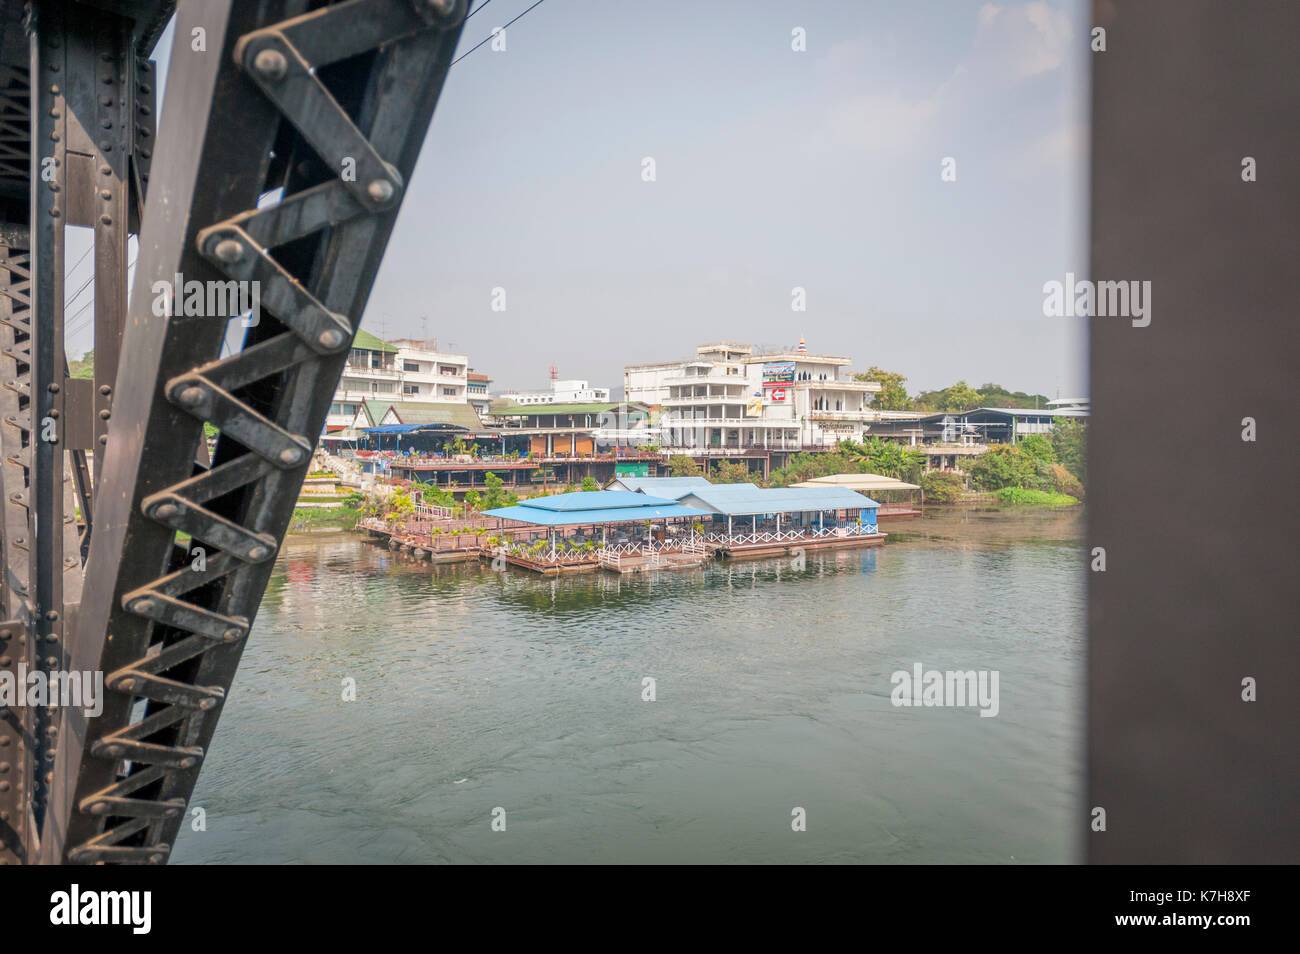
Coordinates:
[755,422]
[865,415]
[700,401]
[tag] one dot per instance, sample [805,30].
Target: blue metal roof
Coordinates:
[745,499]
[594,500]
[672,487]
[592,506]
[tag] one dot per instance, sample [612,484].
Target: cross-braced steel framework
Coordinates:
[292,129]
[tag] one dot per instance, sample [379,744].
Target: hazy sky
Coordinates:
[774,169]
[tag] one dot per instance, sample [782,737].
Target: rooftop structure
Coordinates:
[572,391]
[592,507]
[744,500]
[404,369]
[730,398]
[859,482]
[671,487]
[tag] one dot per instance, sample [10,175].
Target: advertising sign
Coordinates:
[778,372]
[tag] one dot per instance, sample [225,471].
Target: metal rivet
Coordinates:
[166,511]
[290,455]
[331,338]
[259,553]
[142,606]
[270,64]
[229,251]
[380,190]
[191,395]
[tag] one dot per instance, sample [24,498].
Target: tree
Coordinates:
[589,483]
[887,458]
[959,397]
[1038,447]
[731,472]
[679,465]
[495,495]
[1069,439]
[892,395]
[942,486]
[83,369]
[473,500]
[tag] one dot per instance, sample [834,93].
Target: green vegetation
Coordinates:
[679,465]
[1069,437]
[318,518]
[942,486]
[400,505]
[731,472]
[496,495]
[1032,464]
[893,395]
[887,458]
[589,484]
[1018,496]
[962,397]
[83,369]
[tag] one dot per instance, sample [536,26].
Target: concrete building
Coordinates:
[572,391]
[575,430]
[478,387]
[729,399]
[400,370]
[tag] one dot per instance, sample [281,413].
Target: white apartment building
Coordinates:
[478,391]
[400,370]
[729,398]
[561,392]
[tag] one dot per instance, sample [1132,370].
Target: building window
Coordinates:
[449,392]
[410,366]
[410,389]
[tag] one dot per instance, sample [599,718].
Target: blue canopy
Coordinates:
[592,506]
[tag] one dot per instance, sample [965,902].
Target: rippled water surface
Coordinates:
[478,690]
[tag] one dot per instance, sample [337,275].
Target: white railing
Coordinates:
[434,513]
[552,558]
[790,536]
[653,555]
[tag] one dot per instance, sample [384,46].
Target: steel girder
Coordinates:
[332,104]
[66,144]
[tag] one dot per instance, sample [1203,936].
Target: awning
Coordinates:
[859,482]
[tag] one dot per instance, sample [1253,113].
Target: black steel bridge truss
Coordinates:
[292,130]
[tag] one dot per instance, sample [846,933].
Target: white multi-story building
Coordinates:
[561,392]
[729,398]
[478,389]
[401,370]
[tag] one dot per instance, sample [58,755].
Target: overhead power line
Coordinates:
[490,35]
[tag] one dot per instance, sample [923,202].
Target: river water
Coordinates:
[479,691]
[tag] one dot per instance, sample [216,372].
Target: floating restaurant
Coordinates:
[627,529]
[617,529]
